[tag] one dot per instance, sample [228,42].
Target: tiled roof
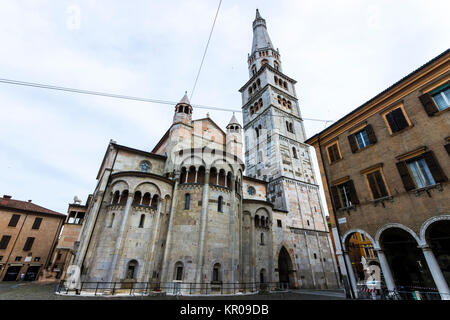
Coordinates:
[26,206]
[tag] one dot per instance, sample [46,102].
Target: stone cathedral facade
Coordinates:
[186,212]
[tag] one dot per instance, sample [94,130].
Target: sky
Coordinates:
[342,53]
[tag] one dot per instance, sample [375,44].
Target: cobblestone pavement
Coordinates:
[40,291]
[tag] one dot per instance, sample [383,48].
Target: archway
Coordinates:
[407,262]
[361,253]
[438,237]
[285,268]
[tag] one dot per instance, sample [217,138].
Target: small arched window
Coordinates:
[264,62]
[111,222]
[131,270]
[124,197]
[141,222]
[294,152]
[145,166]
[116,197]
[275,64]
[256,221]
[258,83]
[146,199]
[178,274]
[220,204]
[216,273]
[253,69]
[291,127]
[187,201]
[262,238]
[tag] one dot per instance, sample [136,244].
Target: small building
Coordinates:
[68,240]
[28,236]
[385,169]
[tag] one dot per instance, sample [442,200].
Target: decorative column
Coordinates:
[232,229]
[120,238]
[165,264]
[150,258]
[436,272]
[201,253]
[385,269]
[351,273]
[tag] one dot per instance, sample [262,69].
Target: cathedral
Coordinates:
[192,211]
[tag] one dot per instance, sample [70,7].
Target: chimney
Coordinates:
[29,200]
[5,196]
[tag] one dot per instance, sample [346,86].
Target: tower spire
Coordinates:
[261,39]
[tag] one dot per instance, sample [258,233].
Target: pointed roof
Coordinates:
[261,37]
[185,99]
[233,120]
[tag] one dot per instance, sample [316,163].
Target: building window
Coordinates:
[334,153]
[421,171]
[37,259]
[362,138]
[58,257]
[187,201]
[441,97]
[28,244]
[294,153]
[220,204]
[14,219]
[4,242]
[254,69]
[131,269]
[216,273]
[279,223]
[377,184]
[251,191]
[179,271]
[1,258]
[18,258]
[397,120]
[262,238]
[344,195]
[37,223]
[145,166]
[141,222]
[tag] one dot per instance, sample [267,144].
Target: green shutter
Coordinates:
[435,169]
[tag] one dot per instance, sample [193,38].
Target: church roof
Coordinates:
[261,39]
[234,120]
[185,99]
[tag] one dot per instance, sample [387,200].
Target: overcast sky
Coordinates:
[342,53]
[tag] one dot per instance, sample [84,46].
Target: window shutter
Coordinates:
[353,145]
[371,134]
[37,223]
[337,156]
[428,104]
[380,183]
[4,242]
[28,244]
[408,182]
[353,194]
[14,219]
[399,119]
[331,154]
[392,124]
[373,185]
[335,196]
[435,168]
[447,147]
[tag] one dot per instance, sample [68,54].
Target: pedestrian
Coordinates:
[22,276]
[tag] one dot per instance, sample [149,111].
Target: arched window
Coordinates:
[155,201]
[220,204]
[253,69]
[145,166]
[141,222]
[111,222]
[191,175]
[137,198]
[216,273]
[258,83]
[257,133]
[291,127]
[229,180]
[262,276]
[262,237]
[252,111]
[276,66]
[289,105]
[116,197]
[285,85]
[213,176]
[264,62]
[124,197]
[294,152]
[201,175]
[287,126]
[256,221]
[131,269]
[275,78]
[222,178]
[146,199]
[279,99]
[183,175]
[178,272]
[187,201]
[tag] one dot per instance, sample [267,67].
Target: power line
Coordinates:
[125,97]
[206,49]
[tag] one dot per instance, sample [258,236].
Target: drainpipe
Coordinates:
[352,292]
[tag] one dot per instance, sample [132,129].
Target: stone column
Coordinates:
[388,278]
[351,274]
[436,272]
[119,241]
[150,259]
[252,260]
[201,253]
[232,229]
[165,263]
